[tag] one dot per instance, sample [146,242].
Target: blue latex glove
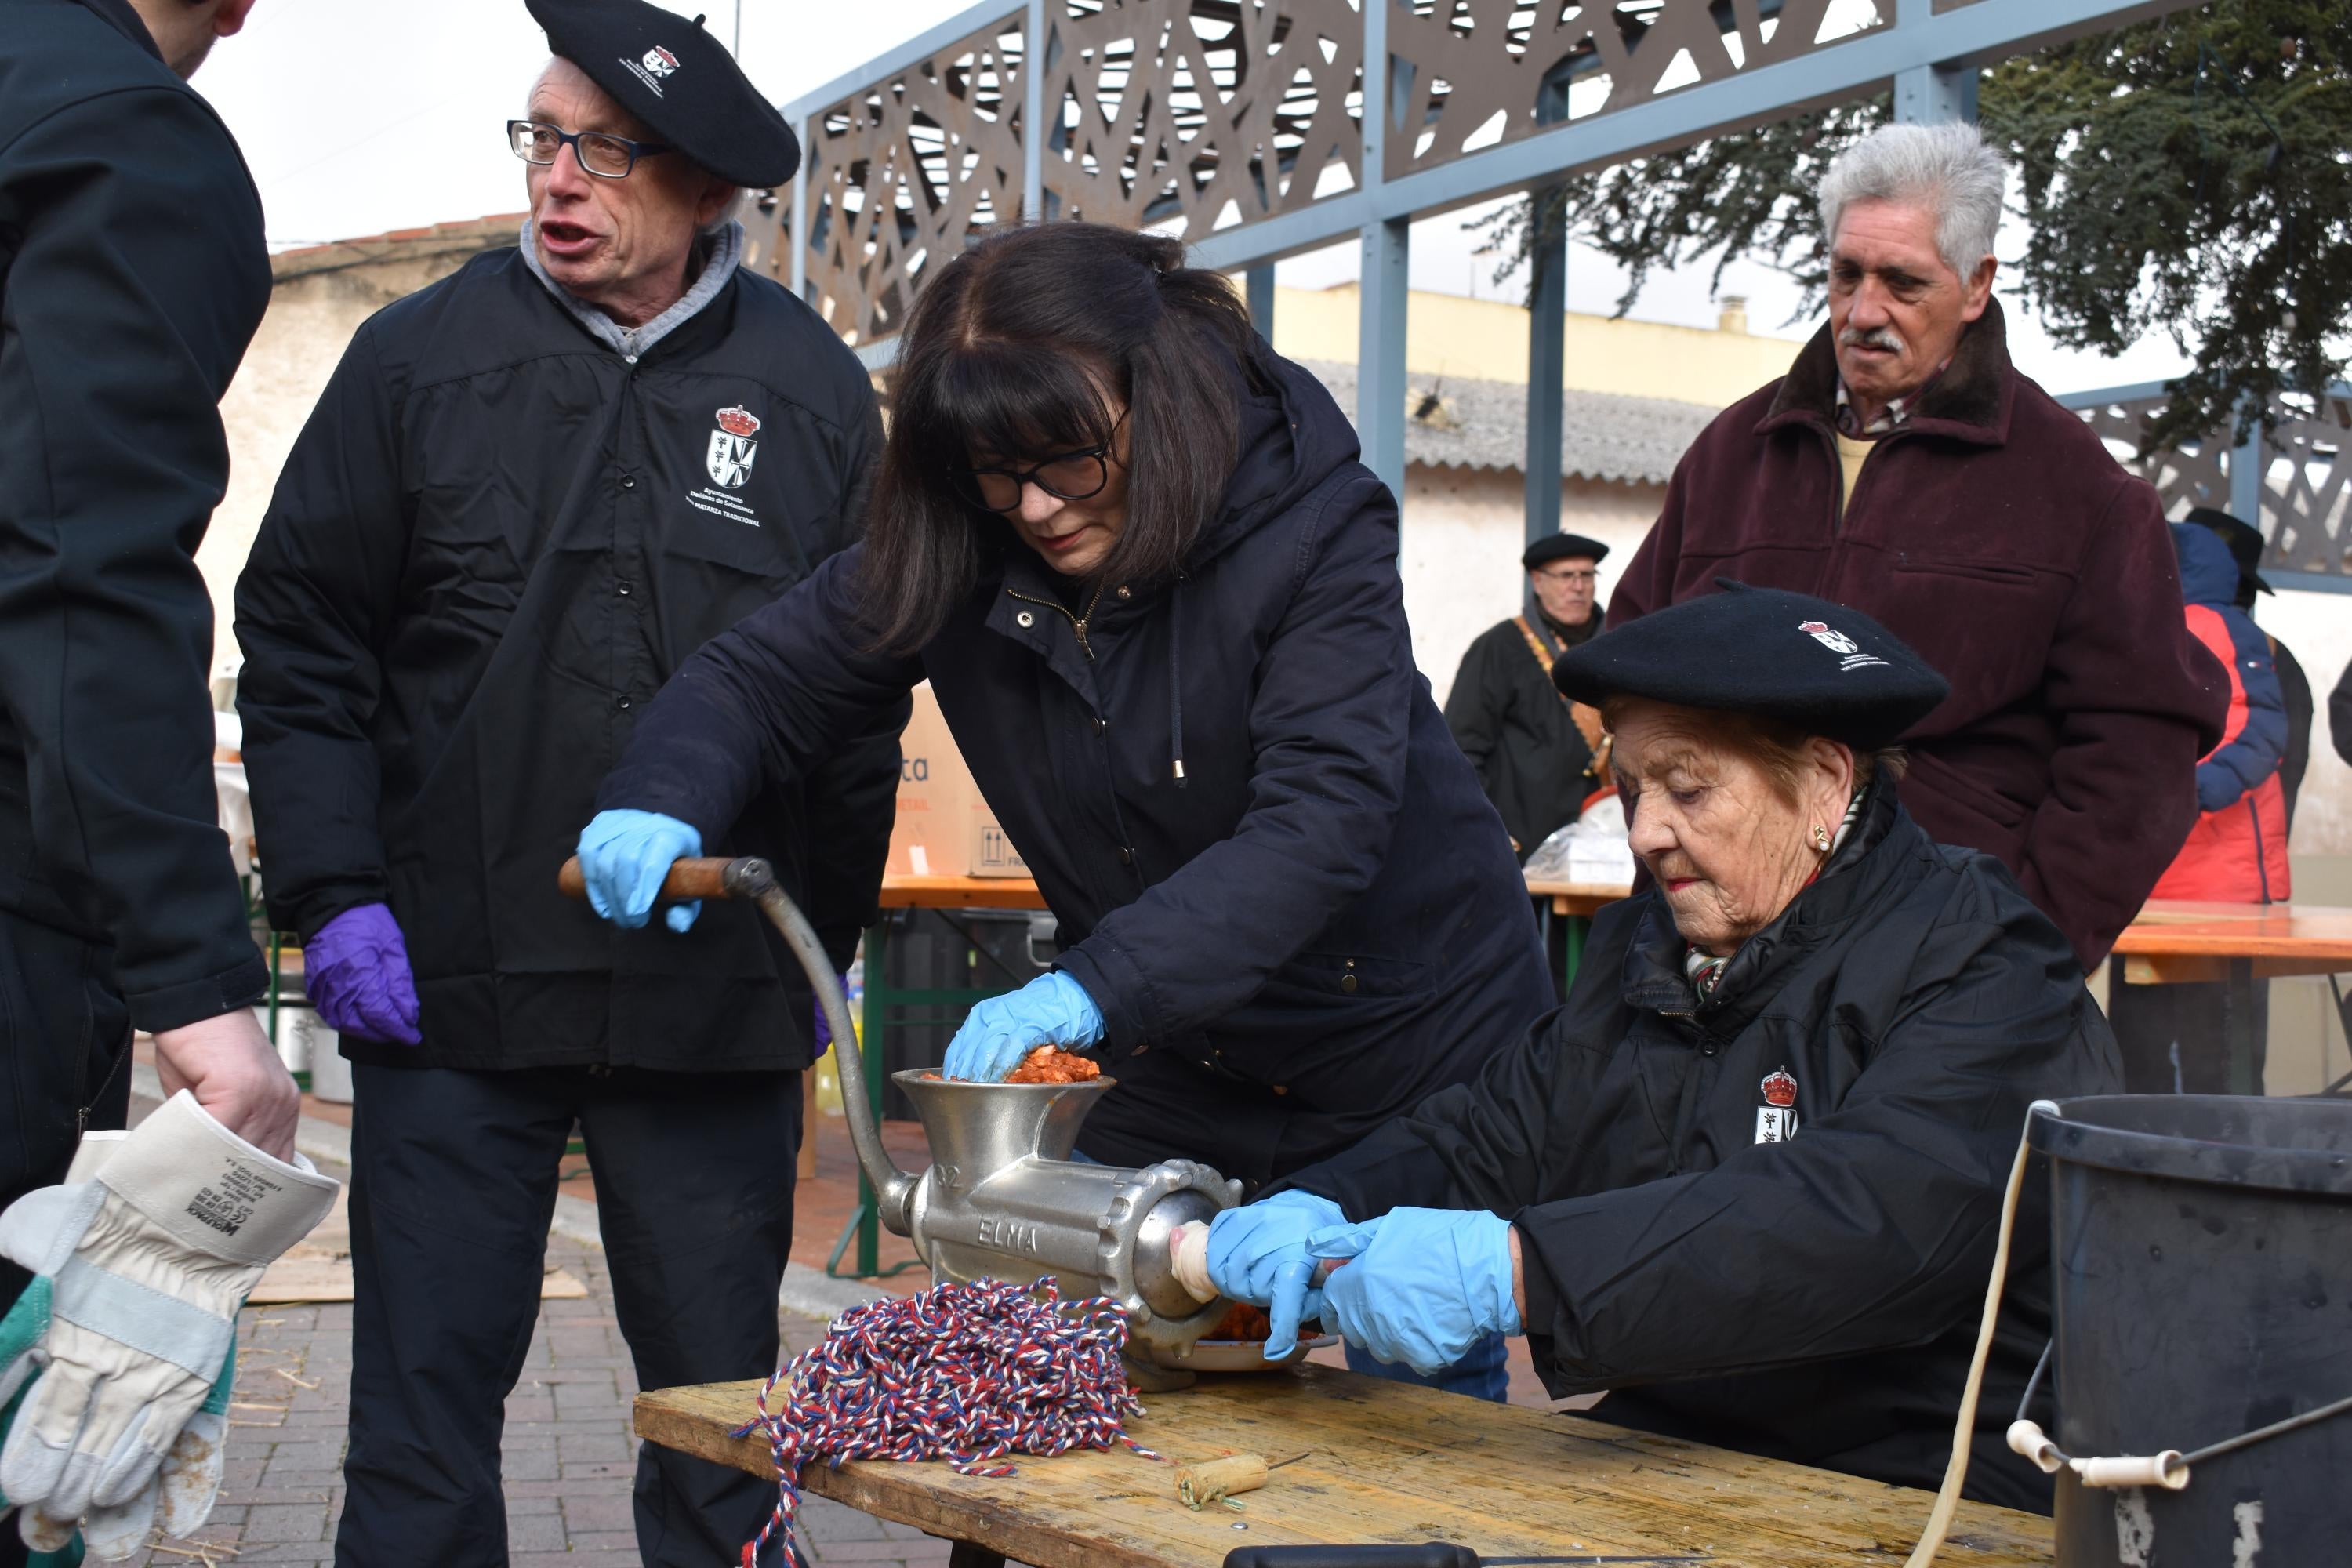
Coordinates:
[1258,1254]
[355,971]
[1051,1010]
[1421,1285]
[626,855]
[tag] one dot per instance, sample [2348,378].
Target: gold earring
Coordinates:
[1821,838]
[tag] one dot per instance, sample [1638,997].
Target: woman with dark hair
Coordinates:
[1157,596]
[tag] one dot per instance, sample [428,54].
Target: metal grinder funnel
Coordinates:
[1003,1200]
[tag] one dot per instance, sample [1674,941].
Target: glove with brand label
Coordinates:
[1051,1010]
[148,1263]
[625,855]
[1421,1285]
[1258,1254]
[355,972]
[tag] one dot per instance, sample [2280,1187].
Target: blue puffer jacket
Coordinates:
[2236,850]
[1315,924]
[2250,752]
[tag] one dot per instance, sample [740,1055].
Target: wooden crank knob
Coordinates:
[702,876]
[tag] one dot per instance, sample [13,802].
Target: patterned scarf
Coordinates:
[1704,970]
[1897,409]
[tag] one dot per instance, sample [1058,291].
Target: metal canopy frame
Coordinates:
[1230,118]
[2290,483]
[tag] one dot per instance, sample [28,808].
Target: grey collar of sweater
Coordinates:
[726,251]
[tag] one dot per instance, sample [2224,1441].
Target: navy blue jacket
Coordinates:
[133,273]
[1322,923]
[494,540]
[1806,1284]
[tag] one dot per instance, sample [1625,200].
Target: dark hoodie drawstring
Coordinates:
[1176,681]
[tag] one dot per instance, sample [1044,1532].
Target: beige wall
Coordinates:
[1463,531]
[1486,340]
[2317,627]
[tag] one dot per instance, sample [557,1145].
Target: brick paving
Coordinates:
[569,1453]
[569,1456]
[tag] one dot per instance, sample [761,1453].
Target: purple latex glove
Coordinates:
[824,1029]
[356,972]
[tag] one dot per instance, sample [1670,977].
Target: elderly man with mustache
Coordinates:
[1904,467]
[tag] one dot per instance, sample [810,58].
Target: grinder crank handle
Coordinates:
[749,877]
[697,876]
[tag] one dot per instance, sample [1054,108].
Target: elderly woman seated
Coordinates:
[1750,1178]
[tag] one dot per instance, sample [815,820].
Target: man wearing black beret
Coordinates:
[1533,749]
[529,493]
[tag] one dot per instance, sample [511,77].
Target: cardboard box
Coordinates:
[944,828]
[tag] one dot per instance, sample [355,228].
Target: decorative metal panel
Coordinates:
[1471,74]
[1204,113]
[901,173]
[2306,491]
[2192,475]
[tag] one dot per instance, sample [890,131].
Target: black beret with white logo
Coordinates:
[1820,667]
[671,73]
[1563,547]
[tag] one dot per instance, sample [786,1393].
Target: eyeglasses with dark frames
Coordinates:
[606,156]
[1067,476]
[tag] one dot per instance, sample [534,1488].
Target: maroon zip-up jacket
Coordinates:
[1994,533]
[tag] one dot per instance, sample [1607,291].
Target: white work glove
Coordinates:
[179,1498]
[148,1264]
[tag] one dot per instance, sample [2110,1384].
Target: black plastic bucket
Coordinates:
[2201,1252]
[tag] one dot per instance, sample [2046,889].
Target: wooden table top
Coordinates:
[2175,940]
[960,893]
[1577,898]
[1387,1462]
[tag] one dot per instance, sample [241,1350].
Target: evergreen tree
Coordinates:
[2191,174]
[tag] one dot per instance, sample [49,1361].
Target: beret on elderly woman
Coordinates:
[1748,1179]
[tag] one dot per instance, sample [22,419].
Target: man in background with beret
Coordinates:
[529,492]
[1533,748]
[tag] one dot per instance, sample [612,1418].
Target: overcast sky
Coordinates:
[357,119]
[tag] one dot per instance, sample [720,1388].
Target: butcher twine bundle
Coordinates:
[968,1373]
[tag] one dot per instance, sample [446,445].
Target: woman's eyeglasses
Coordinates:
[1067,476]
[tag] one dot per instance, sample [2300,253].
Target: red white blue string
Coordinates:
[968,1373]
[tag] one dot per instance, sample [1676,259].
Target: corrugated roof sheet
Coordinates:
[1483,424]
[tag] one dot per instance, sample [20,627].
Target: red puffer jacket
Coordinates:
[2236,850]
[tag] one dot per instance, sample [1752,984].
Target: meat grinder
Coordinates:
[1002,1199]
